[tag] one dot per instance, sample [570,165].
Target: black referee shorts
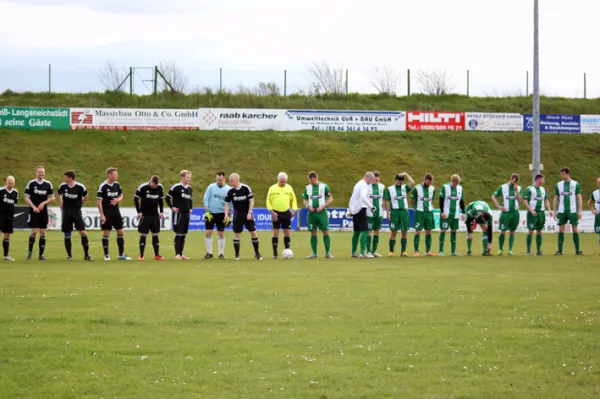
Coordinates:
[181,222]
[361,221]
[217,221]
[149,224]
[240,220]
[38,220]
[284,220]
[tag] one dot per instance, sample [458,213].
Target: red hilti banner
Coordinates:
[416,120]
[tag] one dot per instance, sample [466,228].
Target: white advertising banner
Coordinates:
[590,123]
[241,119]
[345,121]
[586,223]
[494,122]
[91,217]
[134,119]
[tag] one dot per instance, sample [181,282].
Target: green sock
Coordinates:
[355,238]
[442,239]
[364,235]
[576,241]
[327,242]
[538,242]
[453,241]
[375,243]
[417,241]
[501,242]
[561,240]
[529,241]
[428,240]
[511,242]
[369,243]
[484,242]
[313,244]
[392,245]
[404,243]
[469,243]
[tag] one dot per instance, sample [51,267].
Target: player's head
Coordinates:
[10,182]
[428,180]
[565,173]
[539,180]
[486,216]
[154,181]
[186,177]
[220,179]
[514,178]
[598,181]
[40,173]
[369,177]
[313,178]
[69,176]
[234,180]
[399,179]
[282,178]
[112,174]
[377,177]
[455,180]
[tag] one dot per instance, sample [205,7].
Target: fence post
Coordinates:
[468,83]
[220,80]
[130,81]
[49,78]
[585,85]
[346,81]
[155,79]
[527,85]
[408,81]
[285,82]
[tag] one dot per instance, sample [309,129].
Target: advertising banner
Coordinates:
[590,123]
[345,121]
[91,217]
[416,120]
[554,123]
[262,217]
[241,119]
[494,122]
[134,119]
[31,118]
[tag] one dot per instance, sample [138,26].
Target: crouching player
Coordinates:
[479,212]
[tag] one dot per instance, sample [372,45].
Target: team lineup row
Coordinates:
[370,198]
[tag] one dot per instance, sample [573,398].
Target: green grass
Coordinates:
[484,160]
[429,327]
[457,103]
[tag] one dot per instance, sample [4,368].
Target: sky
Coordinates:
[256,40]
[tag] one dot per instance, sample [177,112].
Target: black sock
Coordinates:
[142,245]
[155,245]
[5,245]
[182,243]
[121,245]
[85,243]
[177,245]
[255,245]
[42,244]
[105,245]
[68,246]
[236,246]
[275,241]
[31,243]
[286,242]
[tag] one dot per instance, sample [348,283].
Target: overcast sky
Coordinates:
[255,40]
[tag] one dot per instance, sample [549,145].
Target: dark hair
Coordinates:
[486,216]
[399,177]
[312,175]
[566,170]
[539,176]
[515,176]
[155,179]
[221,173]
[70,174]
[376,174]
[429,177]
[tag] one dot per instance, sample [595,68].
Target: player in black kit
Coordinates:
[148,201]
[9,196]
[109,196]
[243,203]
[71,197]
[179,199]
[38,194]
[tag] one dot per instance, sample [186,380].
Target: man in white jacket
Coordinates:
[359,204]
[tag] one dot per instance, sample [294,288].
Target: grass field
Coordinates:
[429,327]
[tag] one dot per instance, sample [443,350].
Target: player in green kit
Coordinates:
[479,212]
[317,197]
[375,218]
[422,197]
[452,202]
[395,201]
[536,201]
[568,203]
[509,218]
[594,205]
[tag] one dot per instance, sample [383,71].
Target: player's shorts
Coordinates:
[6,225]
[374,222]
[318,220]
[424,221]
[38,220]
[509,221]
[218,221]
[181,222]
[536,222]
[449,224]
[113,220]
[70,218]
[400,220]
[597,224]
[149,224]
[240,220]
[360,221]
[564,218]
[284,220]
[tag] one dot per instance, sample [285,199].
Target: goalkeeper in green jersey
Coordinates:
[509,218]
[479,212]
[536,201]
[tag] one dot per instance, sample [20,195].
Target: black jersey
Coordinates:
[108,192]
[240,197]
[72,195]
[39,192]
[148,200]
[180,196]
[8,199]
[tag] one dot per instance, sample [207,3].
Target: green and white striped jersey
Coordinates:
[316,195]
[476,208]
[452,197]
[376,191]
[536,197]
[509,196]
[567,196]
[596,198]
[423,197]
[397,196]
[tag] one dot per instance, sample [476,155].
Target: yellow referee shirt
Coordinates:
[281,199]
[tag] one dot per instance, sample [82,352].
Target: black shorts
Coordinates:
[240,220]
[70,218]
[38,220]
[113,220]
[181,222]
[218,221]
[6,225]
[284,220]
[361,221]
[149,224]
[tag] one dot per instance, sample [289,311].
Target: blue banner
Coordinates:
[554,123]
[262,216]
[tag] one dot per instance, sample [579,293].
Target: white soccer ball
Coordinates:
[287,254]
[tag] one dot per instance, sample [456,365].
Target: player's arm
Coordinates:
[251,203]
[413,197]
[99,198]
[555,205]
[498,193]
[518,191]
[364,198]
[469,222]
[169,200]
[269,201]
[411,182]
[191,200]
[60,200]
[329,198]
[547,203]
[580,205]
[160,202]
[206,199]
[84,197]
[590,204]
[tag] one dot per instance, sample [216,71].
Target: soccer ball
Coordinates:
[287,254]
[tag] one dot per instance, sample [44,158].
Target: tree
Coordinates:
[434,83]
[327,80]
[112,77]
[386,81]
[267,89]
[174,76]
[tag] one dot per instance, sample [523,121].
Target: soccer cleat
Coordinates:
[486,254]
[106,258]
[430,254]
[185,257]
[579,253]
[313,256]
[257,256]
[500,253]
[328,256]
[469,253]
[222,257]
[455,254]
[441,254]
[540,253]
[368,256]
[88,258]
[376,255]
[416,254]
[158,257]
[404,255]
[28,256]
[124,257]
[510,253]
[208,256]
[42,258]
[528,253]
[8,259]
[69,258]
[558,253]
[390,255]
[275,257]
[178,257]
[141,258]
[355,256]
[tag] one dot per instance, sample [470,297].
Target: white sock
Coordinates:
[208,242]
[221,246]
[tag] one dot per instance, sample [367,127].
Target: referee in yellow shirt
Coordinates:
[281,202]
